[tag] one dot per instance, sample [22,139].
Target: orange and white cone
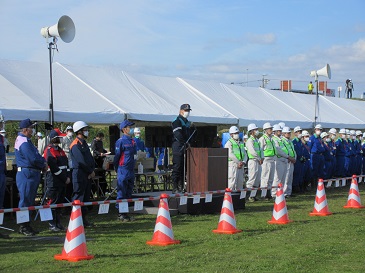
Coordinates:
[320,203]
[163,235]
[227,220]
[354,201]
[74,249]
[280,212]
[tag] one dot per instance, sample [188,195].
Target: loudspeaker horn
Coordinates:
[325,71]
[65,29]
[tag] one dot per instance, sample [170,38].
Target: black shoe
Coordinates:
[26,231]
[60,227]
[54,228]
[34,231]
[124,217]
[252,199]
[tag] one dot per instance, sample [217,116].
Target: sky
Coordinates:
[232,41]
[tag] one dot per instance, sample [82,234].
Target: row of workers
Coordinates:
[276,158]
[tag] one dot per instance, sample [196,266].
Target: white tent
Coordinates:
[108,95]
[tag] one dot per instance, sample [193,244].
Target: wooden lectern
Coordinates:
[207,169]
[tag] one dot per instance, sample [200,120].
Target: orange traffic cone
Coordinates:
[227,221]
[320,203]
[163,235]
[280,212]
[74,249]
[354,201]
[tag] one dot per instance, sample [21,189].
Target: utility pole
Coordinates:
[264,81]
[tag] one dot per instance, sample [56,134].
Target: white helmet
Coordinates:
[39,134]
[347,132]
[333,131]
[305,133]
[286,129]
[296,129]
[353,133]
[78,125]
[136,130]
[251,127]
[324,134]
[318,126]
[342,131]
[358,133]
[245,137]
[267,125]
[69,128]
[234,130]
[282,125]
[277,127]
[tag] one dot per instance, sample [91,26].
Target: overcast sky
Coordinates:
[222,41]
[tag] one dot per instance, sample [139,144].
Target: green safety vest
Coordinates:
[281,145]
[270,147]
[238,150]
[290,147]
[256,146]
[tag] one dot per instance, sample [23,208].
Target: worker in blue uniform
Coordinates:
[124,162]
[298,175]
[358,152]
[83,167]
[341,147]
[307,172]
[363,154]
[181,134]
[137,139]
[317,149]
[328,167]
[57,177]
[30,164]
[332,144]
[349,155]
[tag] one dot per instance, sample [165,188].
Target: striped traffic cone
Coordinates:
[320,203]
[280,212]
[227,221]
[354,201]
[74,249]
[163,235]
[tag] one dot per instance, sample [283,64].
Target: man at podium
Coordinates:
[180,140]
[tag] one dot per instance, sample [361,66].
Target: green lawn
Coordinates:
[310,244]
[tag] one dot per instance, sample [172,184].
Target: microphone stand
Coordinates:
[184,147]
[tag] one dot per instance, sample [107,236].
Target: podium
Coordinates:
[207,169]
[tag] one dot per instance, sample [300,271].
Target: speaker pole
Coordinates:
[316,109]
[51,111]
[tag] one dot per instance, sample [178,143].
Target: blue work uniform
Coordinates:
[341,145]
[298,165]
[358,156]
[317,149]
[332,145]
[363,155]
[2,171]
[349,158]
[30,164]
[307,171]
[150,153]
[83,165]
[328,167]
[139,144]
[162,158]
[124,162]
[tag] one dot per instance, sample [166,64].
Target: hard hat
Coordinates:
[234,130]
[2,131]
[296,129]
[277,127]
[69,128]
[363,135]
[318,126]
[353,133]
[358,133]
[305,133]
[282,125]
[246,136]
[78,125]
[137,130]
[347,131]
[267,125]
[39,134]
[333,131]
[324,134]
[342,131]
[251,127]
[286,129]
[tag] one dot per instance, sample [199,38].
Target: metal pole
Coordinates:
[316,109]
[247,77]
[51,114]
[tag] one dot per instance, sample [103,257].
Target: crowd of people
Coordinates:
[297,162]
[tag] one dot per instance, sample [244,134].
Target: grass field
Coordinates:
[310,244]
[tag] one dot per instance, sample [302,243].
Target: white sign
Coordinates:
[208,198]
[123,207]
[1,218]
[138,205]
[243,195]
[183,200]
[337,184]
[46,214]
[263,193]
[103,209]
[22,216]
[329,184]
[343,182]
[196,199]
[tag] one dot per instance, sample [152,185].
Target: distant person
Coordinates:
[349,88]
[41,143]
[310,88]
[6,142]
[97,148]
[66,142]
[137,138]
[30,165]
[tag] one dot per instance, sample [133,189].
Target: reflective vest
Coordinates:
[256,147]
[289,147]
[281,145]
[270,147]
[237,149]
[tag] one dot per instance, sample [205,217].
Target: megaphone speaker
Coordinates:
[325,71]
[65,29]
